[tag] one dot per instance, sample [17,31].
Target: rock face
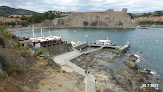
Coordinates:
[107,19]
[131,81]
[126,79]
[133,66]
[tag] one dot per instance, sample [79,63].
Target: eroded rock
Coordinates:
[132,58]
[126,79]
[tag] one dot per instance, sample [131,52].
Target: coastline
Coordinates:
[115,78]
[17,28]
[25,28]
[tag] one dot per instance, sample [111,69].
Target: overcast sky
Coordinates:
[134,6]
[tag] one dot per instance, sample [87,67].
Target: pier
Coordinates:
[105,46]
[127,45]
[81,45]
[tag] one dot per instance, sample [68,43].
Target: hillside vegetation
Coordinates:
[5,10]
[20,70]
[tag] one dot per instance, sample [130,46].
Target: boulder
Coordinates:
[132,58]
[132,65]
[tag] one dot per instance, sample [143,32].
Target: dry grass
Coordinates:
[10,85]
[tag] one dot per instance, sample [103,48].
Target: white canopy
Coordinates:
[50,38]
[104,41]
[34,39]
[55,37]
[42,40]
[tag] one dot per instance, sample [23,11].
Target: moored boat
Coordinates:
[102,43]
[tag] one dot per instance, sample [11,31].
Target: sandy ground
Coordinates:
[61,81]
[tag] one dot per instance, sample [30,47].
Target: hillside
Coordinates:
[5,10]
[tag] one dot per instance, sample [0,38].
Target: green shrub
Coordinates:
[25,51]
[11,69]
[120,23]
[146,22]
[58,70]
[16,44]
[39,52]
[63,71]
[2,42]
[3,77]
[85,23]
[94,24]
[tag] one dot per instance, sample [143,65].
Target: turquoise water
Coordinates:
[149,41]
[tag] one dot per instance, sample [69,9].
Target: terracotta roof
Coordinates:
[26,41]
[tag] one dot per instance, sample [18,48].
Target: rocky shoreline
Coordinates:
[116,78]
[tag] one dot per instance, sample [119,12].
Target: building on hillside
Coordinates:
[19,16]
[155,18]
[2,19]
[14,16]
[28,15]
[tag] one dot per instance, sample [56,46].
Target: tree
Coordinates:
[11,17]
[159,13]
[85,23]
[13,23]
[17,16]
[24,23]
[146,22]
[24,18]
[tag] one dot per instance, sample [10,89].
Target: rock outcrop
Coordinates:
[132,58]
[131,81]
[126,79]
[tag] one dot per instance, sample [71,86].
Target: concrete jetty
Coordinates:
[125,47]
[82,45]
[122,48]
[105,46]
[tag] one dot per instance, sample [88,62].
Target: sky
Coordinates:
[133,6]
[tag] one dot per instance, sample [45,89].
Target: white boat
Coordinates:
[102,43]
[73,43]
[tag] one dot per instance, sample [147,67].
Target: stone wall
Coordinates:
[60,48]
[107,19]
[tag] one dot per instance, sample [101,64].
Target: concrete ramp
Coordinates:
[65,59]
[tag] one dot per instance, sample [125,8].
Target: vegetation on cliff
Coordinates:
[143,22]
[38,18]
[5,10]
[158,13]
